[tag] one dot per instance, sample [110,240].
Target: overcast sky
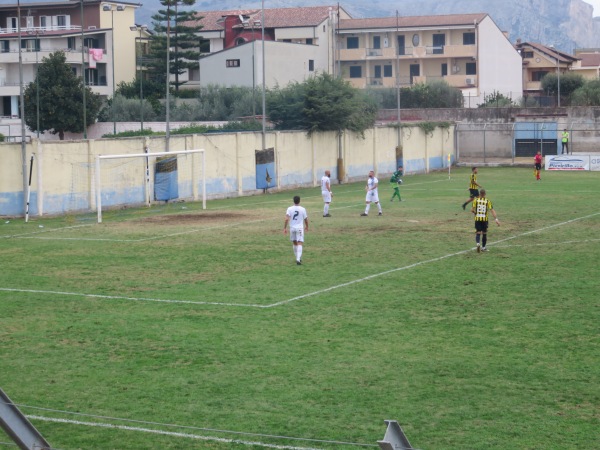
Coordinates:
[596,5]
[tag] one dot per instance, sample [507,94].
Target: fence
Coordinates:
[511,142]
[63,171]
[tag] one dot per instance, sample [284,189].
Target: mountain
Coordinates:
[566,24]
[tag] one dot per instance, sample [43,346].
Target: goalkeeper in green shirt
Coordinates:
[396,181]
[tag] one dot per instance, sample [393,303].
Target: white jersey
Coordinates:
[297,214]
[325,182]
[372,192]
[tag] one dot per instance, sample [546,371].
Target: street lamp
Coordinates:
[37,33]
[141,28]
[557,75]
[112,28]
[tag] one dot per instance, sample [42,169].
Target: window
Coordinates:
[61,21]
[537,76]
[232,63]
[352,42]
[377,72]
[444,69]
[12,23]
[44,22]
[469,38]
[439,40]
[311,65]
[30,45]
[4,46]
[528,54]
[240,41]
[401,45]
[355,72]
[204,46]
[71,43]
[309,41]
[387,71]
[376,41]
[471,68]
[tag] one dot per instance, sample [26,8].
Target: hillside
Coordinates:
[566,24]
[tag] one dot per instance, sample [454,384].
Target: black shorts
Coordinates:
[481,225]
[474,193]
[538,167]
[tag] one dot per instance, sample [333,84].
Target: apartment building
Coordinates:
[468,51]
[298,43]
[46,27]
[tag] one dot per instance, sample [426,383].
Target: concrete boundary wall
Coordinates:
[63,174]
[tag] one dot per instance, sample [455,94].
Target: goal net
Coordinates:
[147,178]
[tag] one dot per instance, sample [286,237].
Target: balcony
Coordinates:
[444,51]
[32,31]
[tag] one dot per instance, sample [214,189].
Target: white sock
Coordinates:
[326,209]
[379,207]
[299,256]
[367,208]
[295,248]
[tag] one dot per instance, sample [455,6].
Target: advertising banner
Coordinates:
[567,162]
[595,162]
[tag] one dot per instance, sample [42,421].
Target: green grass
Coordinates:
[202,320]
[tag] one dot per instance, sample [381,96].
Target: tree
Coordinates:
[587,95]
[434,94]
[321,103]
[569,83]
[183,38]
[60,99]
[496,100]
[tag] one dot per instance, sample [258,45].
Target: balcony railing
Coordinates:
[32,31]
[452,51]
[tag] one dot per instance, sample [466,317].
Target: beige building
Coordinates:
[468,51]
[47,27]
[539,60]
[588,64]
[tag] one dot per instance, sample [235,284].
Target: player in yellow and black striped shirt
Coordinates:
[473,187]
[482,206]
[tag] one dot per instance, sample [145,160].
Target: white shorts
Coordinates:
[372,196]
[326,196]
[297,234]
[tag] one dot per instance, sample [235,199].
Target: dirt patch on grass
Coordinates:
[204,217]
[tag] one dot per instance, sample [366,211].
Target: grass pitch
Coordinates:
[179,328]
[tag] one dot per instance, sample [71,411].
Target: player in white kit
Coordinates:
[297,218]
[372,194]
[326,192]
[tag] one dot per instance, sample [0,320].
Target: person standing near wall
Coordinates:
[396,181]
[537,160]
[326,192]
[565,142]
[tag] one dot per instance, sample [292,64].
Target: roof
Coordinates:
[550,51]
[590,59]
[63,3]
[413,21]
[309,16]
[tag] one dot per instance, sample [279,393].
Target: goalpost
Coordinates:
[130,179]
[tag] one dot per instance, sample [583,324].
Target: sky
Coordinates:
[596,5]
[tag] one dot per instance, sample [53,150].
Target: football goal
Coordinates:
[147,178]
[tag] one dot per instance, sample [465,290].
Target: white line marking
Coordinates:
[310,294]
[49,230]
[370,277]
[167,433]
[137,299]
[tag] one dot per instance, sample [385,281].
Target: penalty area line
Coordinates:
[439,258]
[118,297]
[168,433]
